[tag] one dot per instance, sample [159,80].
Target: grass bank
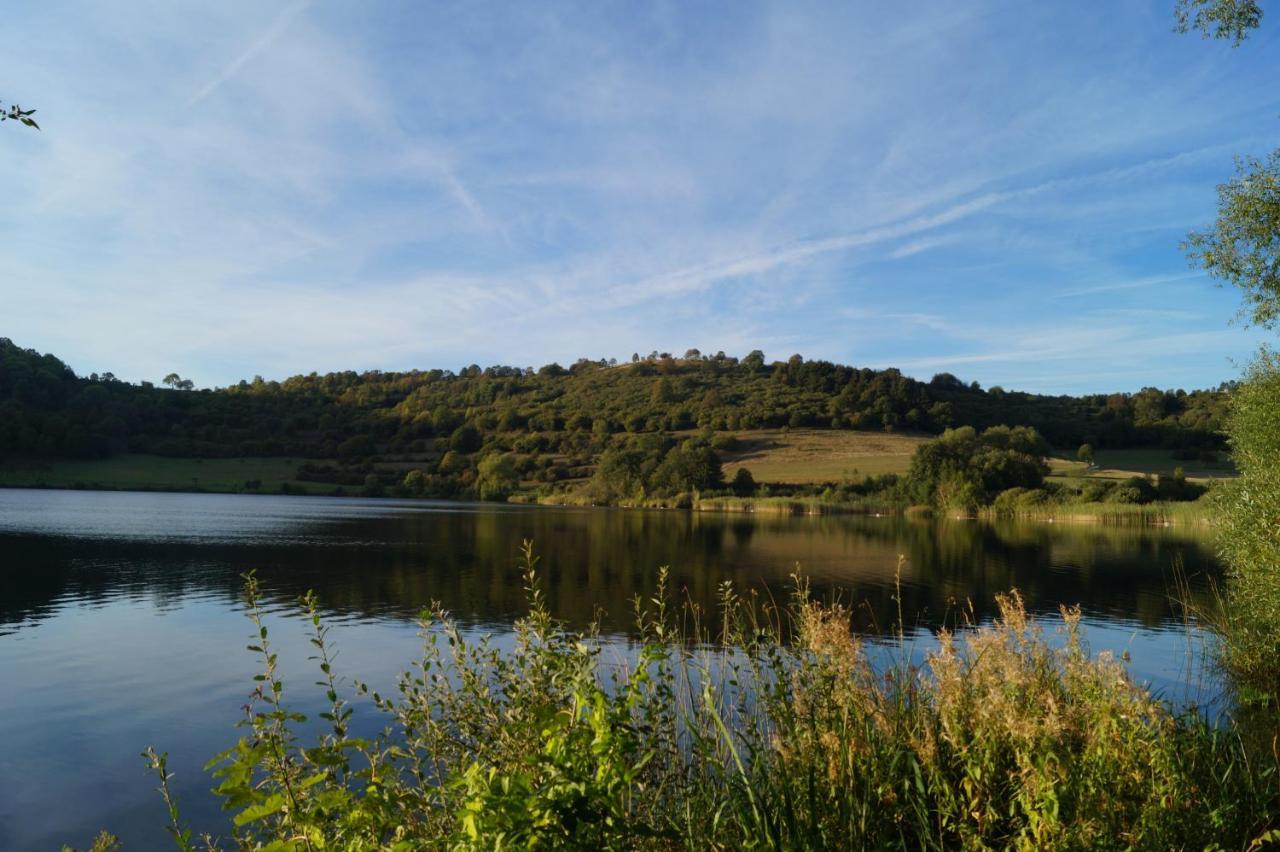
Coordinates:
[742,729]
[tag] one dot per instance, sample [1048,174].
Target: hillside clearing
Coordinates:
[806,456]
[1123,464]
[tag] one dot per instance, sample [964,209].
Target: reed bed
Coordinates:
[1189,513]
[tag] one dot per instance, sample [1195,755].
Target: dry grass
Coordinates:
[806,456]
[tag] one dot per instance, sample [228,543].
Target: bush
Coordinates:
[1134,490]
[1016,500]
[1127,494]
[1247,509]
[465,439]
[360,445]
[496,478]
[1177,488]
[1096,491]
[725,442]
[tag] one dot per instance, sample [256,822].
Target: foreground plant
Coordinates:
[755,729]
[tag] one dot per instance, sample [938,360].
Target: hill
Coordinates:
[552,424]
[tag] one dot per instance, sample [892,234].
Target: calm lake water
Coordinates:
[122,623]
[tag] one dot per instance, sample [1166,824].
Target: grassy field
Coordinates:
[801,456]
[1122,464]
[142,472]
[793,456]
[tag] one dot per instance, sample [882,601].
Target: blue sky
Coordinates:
[992,188]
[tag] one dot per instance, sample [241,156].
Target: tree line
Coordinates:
[48,411]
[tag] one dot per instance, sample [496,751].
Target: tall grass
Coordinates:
[793,505]
[744,728]
[1186,513]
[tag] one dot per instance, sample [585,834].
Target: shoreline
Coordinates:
[1158,514]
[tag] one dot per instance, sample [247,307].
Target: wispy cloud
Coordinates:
[260,43]
[315,186]
[1138,283]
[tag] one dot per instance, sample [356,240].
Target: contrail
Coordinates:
[259,44]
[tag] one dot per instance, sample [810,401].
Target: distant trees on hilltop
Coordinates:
[572,414]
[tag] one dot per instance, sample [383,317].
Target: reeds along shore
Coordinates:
[749,727]
[1190,513]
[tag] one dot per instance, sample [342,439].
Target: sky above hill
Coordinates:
[994,188]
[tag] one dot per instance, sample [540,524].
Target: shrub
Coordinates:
[1096,491]
[1248,534]
[496,477]
[1125,494]
[465,439]
[725,442]
[1014,500]
[360,445]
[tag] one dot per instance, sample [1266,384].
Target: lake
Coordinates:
[122,620]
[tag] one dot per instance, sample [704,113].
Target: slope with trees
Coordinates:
[549,425]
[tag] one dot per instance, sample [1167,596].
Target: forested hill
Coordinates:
[47,411]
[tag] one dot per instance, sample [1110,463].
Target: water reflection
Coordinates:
[388,560]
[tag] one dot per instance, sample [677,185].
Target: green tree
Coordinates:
[619,476]
[1243,247]
[964,469]
[443,420]
[372,486]
[176,382]
[466,439]
[355,446]
[744,484]
[1248,533]
[452,462]
[415,481]
[662,393]
[1231,19]
[690,467]
[496,477]
[1085,454]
